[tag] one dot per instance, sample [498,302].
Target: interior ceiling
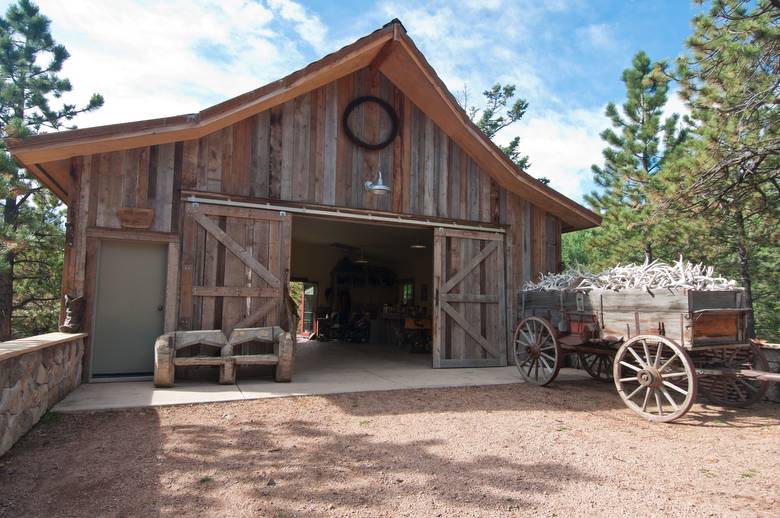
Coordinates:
[376,241]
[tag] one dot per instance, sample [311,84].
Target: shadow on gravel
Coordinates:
[101,464]
[576,396]
[311,466]
[709,416]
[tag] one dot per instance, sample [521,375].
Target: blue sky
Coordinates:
[153,59]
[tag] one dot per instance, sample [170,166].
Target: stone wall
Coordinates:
[773,357]
[33,381]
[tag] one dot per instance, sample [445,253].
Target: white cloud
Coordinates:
[166,58]
[598,35]
[308,27]
[561,147]
[675,104]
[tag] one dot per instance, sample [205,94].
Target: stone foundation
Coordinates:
[33,378]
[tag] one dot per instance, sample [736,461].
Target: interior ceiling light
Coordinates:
[418,246]
[377,187]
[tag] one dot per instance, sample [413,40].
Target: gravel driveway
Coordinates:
[572,449]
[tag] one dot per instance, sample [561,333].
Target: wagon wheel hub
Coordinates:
[649,377]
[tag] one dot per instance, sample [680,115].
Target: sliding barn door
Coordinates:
[234,263]
[470,299]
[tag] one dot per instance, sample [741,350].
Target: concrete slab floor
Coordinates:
[320,368]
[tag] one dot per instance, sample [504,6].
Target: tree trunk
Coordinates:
[648,253]
[744,272]
[6,296]
[10,219]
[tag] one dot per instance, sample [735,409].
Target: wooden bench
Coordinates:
[167,346]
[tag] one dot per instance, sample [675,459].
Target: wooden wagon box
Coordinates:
[692,318]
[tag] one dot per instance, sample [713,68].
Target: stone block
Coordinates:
[11,399]
[773,357]
[6,373]
[41,376]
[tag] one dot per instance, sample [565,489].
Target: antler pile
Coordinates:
[655,275]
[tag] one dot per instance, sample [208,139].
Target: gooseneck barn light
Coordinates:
[377,187]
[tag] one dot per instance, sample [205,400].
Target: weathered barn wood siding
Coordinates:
[298,152]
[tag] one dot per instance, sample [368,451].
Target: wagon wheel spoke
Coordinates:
[667,363]
[669,398]
[658,403]
[528,337]
[748,385]
[638,359]
[647,398]
[647,352]
[635,392]
[599,364]
[738,390]
[607,362]
[658,355]
[669,375]
[632,367]
[675,387]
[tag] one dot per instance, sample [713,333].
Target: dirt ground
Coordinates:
[572,449]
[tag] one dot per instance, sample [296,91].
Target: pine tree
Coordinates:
[639,143]
[730,175]
[497,115]
[31,230]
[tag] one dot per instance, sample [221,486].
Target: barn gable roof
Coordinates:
[388,50]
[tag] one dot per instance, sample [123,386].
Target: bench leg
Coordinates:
[164,369]
[286,353]
[227,372]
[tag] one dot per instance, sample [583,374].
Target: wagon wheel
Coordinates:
[537,352]
[599,366]
[655,378]
[730,389]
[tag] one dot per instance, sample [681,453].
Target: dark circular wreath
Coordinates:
[385,106]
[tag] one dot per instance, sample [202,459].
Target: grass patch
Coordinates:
[51,418]
[364,423]
[750,473]
[205,479]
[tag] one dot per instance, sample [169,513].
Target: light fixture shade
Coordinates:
[377,187]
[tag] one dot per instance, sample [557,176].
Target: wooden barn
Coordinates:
[358,176]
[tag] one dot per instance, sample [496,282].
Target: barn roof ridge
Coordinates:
[377,49]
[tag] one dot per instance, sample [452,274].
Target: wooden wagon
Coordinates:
[661,347]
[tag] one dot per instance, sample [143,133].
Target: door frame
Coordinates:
[396,220]
[95,238]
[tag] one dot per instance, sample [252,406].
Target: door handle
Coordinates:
[159,308]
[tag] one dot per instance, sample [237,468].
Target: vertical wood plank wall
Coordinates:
[299,152]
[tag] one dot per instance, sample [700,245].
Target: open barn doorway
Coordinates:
[366,289]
